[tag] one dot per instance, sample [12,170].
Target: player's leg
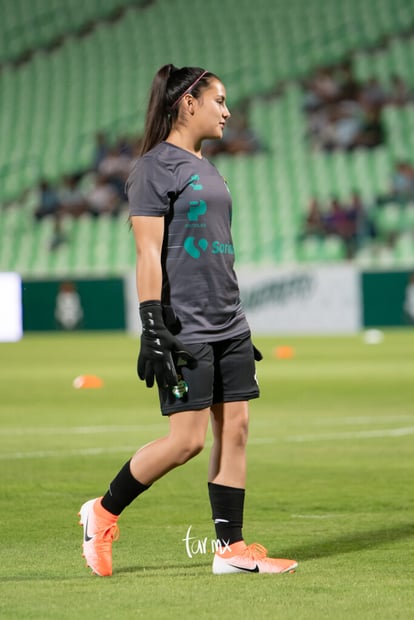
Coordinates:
[227,476]
[234,385]
[99,516]
[229,424]
[235,377]
[188,422]
[185,440]
[227,470]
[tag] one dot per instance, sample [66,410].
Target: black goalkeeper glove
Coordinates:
[160,351]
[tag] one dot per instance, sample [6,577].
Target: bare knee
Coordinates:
[187,434]
[238,434]
[233,430]
[230,421]
[188,450]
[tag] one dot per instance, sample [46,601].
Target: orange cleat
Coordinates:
[99,530]
[242,558]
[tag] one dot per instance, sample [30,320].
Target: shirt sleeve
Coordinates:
[148,188]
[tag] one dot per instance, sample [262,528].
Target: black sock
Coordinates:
[227,504]
[122,491]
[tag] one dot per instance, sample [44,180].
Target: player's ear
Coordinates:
[189,103]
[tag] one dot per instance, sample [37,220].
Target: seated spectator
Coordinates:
[361,225]
[337,223]
[48,202]
[336,220]
[350,221]
[349,87]
[238,138]
[73,201]
[347,125]
[337,127]
[115,167]
[372,93]
[101,149]
[343,113]
[325,85]
[403,180]
[103,198]
[314,224]
[399,93]
[402,184]
[49,205]
[126,146]
[372,132]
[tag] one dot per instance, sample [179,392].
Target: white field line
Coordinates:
[374,434]
[137,428]
[79,430]
[370,420]
[41,454]
[328,516]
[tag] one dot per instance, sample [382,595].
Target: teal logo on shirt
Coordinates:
[194,183]
[222,248]
[197,208]
[193,247]
[194,250]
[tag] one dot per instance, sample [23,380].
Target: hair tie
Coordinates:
[188,89]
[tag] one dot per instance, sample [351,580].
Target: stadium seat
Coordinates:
[404,249]
[310,250]
[389,220]
[54,104]
[407,218]
[333,249]
[27,26]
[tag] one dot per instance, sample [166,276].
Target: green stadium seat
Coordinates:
[404,249]
[333,249]
[385,257]
[55,103]
[365,256]
[407,223]
[310,250]
[389,220]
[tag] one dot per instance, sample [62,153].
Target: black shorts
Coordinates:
[225,373]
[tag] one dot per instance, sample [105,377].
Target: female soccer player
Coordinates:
[180,211]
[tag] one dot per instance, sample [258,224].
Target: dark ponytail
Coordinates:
[169,85]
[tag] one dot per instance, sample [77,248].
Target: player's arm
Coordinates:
[149,235]
[158,345]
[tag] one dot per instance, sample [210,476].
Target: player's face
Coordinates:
[212,111]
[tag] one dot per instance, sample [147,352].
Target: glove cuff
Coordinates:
[151,314]
[153,306]
[150,302]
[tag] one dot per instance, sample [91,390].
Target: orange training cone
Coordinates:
[87,381]
[284,352]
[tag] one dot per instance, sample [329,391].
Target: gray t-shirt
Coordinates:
[199,282]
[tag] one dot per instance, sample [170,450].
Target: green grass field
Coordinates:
[330,484]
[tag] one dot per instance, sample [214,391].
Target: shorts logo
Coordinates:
[191,248]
